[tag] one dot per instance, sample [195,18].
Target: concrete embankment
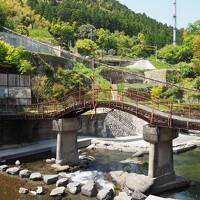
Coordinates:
[134,144]
[24,150]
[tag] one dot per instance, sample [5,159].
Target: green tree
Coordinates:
[86,47]
[64,33]
[87,31]
[106,40]
[3,13]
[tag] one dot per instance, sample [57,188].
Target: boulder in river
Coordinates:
[74,187]
[137,195]
[89,189]
[123,196]
[62,182]
[138,182]
[59,191]
[105,194]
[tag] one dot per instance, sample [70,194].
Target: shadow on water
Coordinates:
[187,165]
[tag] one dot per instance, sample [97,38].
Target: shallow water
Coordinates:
[186,164]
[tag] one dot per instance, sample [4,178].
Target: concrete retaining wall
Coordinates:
[110,125]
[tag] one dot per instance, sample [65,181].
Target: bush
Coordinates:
[156,91]
[86,47]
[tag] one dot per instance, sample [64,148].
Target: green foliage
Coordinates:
[24,66]
[93,75]
[22,30]
[86,47]
[40,34]
[58,90]
[175,53]
[158,64]
[15,57]
[197,83]
[173,94]
[3,13]
[107,14]
[188,70]
[64,33]
[156,91]
[106,40]
[87,31]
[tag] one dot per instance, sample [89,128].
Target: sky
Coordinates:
[188,11]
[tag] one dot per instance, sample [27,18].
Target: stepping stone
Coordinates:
[36,176]
[25,173]
[3,168]
[23,190]
[13,170]
[59,191]
[62,182]
[17,162]
[40,190]
[74,187]
[50,179]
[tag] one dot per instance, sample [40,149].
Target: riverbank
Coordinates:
[136,144]
[102,168]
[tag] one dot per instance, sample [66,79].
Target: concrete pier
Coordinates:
[161,165]
[67,148]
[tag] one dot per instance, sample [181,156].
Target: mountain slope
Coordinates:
[108,14]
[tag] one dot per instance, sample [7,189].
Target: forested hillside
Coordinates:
[109,14]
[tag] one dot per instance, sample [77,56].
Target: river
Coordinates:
[186,164]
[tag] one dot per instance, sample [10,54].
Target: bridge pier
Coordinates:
[161,165]
[67,147]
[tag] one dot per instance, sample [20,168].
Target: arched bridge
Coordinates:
[135,102]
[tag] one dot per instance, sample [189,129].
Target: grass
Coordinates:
[121,86]
[93,74]
[159,64]
[40,34]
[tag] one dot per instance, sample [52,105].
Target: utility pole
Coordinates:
[175,23]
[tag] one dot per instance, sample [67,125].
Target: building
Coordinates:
[15,89]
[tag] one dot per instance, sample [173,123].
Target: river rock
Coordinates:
[74,187]
[62,182]
[50,179]
[23,190]
[39,190]
[119,177]
[138,182]
[137,195]
[89,189]
[59,191]
[36,176]
[3,168]
[61,168]
[25,173]
[123,196]
[13,170]
[105,194]
[34,193]
[17,163]
[138,154]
